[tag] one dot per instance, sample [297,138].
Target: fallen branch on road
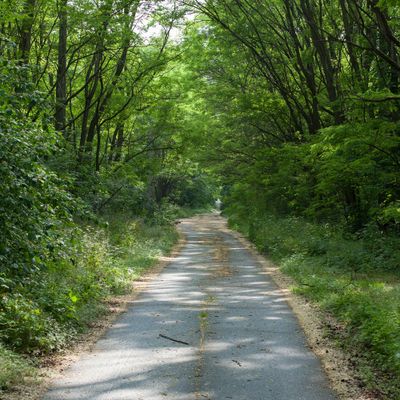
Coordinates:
[174,340]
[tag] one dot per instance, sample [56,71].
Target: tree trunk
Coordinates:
[348,29]
[390,47]
[25,40]
[119,69]
[324,56]
[61,84]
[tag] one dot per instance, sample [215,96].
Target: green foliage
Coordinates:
[356,167]
[46,312]
[35,201]
[138,244]
[164,214]
[194,191]
[271,126]
[24,326]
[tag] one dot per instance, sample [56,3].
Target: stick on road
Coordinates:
[234,335]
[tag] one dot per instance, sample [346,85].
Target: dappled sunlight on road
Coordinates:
[211,326]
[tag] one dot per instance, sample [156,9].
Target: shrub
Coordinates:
[35,202]
[47,309]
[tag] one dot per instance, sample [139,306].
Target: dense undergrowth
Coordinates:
[355,279]
[45,312]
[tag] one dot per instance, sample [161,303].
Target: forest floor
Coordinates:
[239,332]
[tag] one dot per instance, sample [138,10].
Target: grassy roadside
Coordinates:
[54,308]
[355,281]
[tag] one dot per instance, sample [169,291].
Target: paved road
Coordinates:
[243,341]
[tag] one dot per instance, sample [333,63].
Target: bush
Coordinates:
[35,202]
[47,310]
[26,327]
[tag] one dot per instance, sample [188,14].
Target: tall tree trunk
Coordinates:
[306,69]
[390,45]
[91,84]
[98,147]
[117,142]
[25,39]
[348,29]
[319,42]
[61,84]
[119,69]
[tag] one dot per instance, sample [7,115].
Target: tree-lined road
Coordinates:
[236,337]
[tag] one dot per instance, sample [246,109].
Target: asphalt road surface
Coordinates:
[226,333]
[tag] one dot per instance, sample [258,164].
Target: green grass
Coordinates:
[49,309]
[138,245]
[14,368]
[168,213]
[354,279]
[191,212]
